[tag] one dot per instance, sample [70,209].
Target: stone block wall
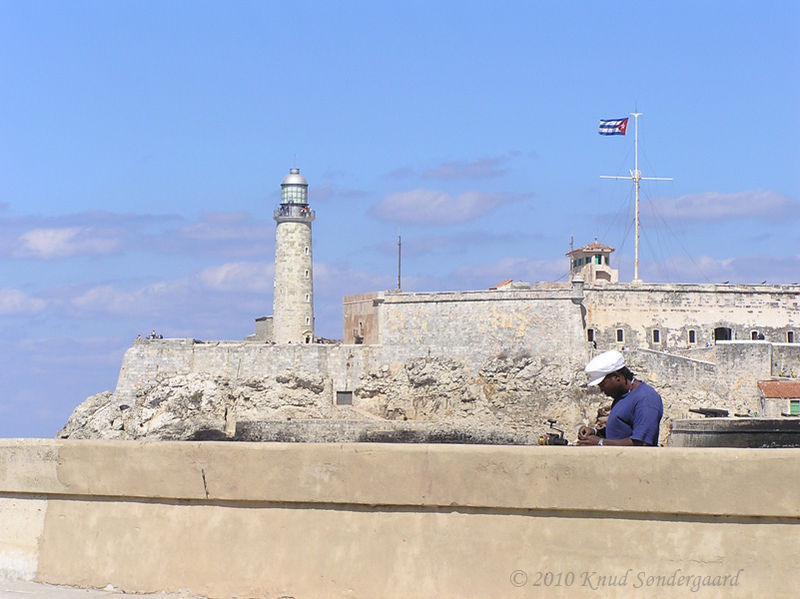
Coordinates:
[662,368]
[674,310]
[544,321]
[263,332]
[786,360]
[659,317]
[360,315]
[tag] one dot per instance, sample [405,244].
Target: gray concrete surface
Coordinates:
[18,589]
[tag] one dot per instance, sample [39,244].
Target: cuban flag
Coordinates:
[613,127]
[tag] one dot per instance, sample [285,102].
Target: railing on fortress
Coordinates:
[298,213]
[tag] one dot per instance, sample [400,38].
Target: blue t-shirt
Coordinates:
[636,415]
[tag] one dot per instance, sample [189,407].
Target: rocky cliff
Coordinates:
[200,391]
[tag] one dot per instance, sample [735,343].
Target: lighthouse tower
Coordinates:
[293,296]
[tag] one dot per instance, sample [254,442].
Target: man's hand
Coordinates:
[586,431]
[588,439]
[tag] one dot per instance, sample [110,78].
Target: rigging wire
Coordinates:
[663,231]
[621,219]
[697,266]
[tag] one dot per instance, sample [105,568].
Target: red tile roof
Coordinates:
[592,247]
[780,389]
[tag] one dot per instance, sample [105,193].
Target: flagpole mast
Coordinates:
[636,177]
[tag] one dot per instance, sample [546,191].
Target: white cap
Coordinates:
[602,365]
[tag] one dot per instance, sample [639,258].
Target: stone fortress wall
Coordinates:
[182,388]
[531,313]
[674,310]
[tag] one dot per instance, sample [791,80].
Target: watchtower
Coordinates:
[592,263]
[293,296]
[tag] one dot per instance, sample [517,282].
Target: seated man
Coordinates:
[636,410]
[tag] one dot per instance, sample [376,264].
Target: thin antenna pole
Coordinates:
[399,260]
[571,247]
[636,177]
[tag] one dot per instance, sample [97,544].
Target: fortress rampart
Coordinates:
[186,389]
[674,310]
[561,314]
[268,520]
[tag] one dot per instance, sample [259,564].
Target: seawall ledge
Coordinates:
[702,482]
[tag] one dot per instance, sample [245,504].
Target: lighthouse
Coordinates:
[293,295]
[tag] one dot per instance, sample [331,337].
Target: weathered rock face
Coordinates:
[185,391]
[195,406]
[512,391]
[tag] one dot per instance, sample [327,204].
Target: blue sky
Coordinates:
[142,145]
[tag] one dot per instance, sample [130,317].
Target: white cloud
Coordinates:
[110,298]
[252,277]
[757,204]
[429,206]
[66,242]
[749,269]
[15,302]
[231,234]
[216,288]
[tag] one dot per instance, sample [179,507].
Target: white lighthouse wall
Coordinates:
[293,299]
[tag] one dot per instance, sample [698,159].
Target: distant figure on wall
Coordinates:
[636,411]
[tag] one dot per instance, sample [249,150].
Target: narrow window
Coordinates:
[692,336]
[790,337]
[308,338]
[308,320]
[306,273]
[306,250]
[590,335]
[656,336]
[794,407]
[344,398]
[753,335]
[308,297]
[620,336]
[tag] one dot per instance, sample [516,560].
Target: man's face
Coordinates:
[614,385]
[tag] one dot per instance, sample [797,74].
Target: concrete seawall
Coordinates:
[372,520]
